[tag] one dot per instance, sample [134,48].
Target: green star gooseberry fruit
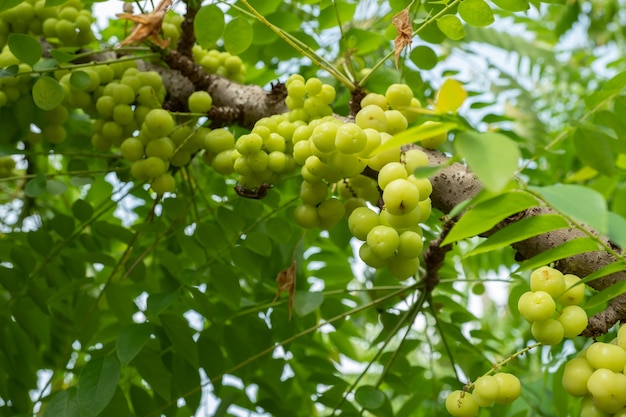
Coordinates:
[551,305]
[461,404]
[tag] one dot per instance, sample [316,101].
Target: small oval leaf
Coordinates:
[424,57]
[451,26]
[47,93]
[55,187]
[80,80]
[25,48]
[476,12]
[369,397]
[208,25]
[237,35]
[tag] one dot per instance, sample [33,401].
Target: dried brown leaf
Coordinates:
[402,22]
[147,26]
[286,281]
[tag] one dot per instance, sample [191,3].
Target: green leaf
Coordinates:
[307,302]
[62,404]
[237,35]
[62,56]
[593,147]
[25,48]
[476,12]
[227,285]
[567,249]
[36,186]
[47,93]
[9,71]
[97,384]
[363,42]
[487,214]
[151,368]
[415,134]
[80,80]
[617,266]
[208,25]
[521,230]
[512,5]
[493,157]
[55,187]
[131,340]
[424,57]
[451,26]
[610,292]
[82,210]
[259,242]
[617,229]
[580,203]
[8,4]
[181,337]
[369,397]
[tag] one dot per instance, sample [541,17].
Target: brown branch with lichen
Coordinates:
[435,256]
[188,36]
[254,102]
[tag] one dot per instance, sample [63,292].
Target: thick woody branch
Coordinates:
[252,101]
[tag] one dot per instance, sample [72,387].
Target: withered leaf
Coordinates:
[286,281]
[402,22]
[147,26]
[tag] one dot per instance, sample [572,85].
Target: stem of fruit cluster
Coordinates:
[293,42]
[504,362]
[415,32]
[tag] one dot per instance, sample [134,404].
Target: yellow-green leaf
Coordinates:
[415,134]
[476,12]
[451,26]
[47,93]
[450,96]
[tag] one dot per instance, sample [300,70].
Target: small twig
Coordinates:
[435,256]
[188,36]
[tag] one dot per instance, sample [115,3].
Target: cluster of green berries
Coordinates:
[499,388]
[597,374]
[220,63]
[553,305]
[12,88]
[69,24]
[121,105]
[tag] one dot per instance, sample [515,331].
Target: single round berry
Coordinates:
[461,404]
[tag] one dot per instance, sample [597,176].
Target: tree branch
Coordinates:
[455,184]
[252,101]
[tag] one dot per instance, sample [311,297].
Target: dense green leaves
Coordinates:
[121,302]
